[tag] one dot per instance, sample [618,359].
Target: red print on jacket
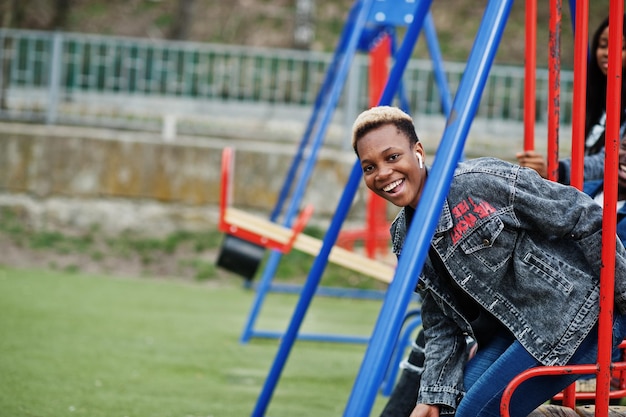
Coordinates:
[466,214]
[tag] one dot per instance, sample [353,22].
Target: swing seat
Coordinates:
[248,236]
[581,411]
[240,256]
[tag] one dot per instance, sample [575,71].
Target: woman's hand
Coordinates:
[532,159]
[425,410]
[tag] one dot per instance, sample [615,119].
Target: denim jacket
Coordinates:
[528,251]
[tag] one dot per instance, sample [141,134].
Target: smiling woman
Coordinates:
[390,173]
[494,273]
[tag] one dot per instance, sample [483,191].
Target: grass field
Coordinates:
[82,345]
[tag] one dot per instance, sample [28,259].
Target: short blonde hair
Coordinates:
[379,116]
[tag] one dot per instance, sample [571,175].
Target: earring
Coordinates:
[419,160]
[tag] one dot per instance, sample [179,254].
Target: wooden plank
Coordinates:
[589,411]
[257,225]
[549,410]
[309,245]
[347,259]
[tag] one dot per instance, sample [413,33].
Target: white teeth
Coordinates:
[392,185]
[622,167]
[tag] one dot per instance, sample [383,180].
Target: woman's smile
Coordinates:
[390,188]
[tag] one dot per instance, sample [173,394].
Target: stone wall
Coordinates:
[69,176]
[60,176]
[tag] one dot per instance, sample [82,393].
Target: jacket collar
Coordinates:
[399,227]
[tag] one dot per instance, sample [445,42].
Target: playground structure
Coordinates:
[247,237]
[390,320]
[263,233]
[375,234]
[604,369]
[244,247]
[448,154]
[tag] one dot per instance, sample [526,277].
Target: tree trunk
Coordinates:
[61,11]
[180,28]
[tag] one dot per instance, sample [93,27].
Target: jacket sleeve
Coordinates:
[445,352]
[553,209]
[568,214]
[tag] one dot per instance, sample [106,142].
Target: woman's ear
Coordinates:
[419,152]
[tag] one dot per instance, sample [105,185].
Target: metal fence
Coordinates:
[132,83]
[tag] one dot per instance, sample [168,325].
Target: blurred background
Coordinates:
[113,114]
[304,24]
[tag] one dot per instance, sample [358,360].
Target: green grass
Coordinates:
[80,345]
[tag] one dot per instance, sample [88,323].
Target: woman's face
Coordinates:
[602,53]
[391,165]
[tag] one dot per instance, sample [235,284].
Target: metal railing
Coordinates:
[134,83]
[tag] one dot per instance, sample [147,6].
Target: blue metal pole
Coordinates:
[404,52]
[572,9]
[399,293]
[265,283]
[317,269]
[436,58]
[334,94]
[360,18]
[321,260]
[403,99]
[412,321]
[319,104]
[315,337]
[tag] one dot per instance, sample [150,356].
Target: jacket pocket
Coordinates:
[551,271]
[490,244]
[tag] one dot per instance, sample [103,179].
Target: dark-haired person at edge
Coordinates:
[514,264]
[595,110]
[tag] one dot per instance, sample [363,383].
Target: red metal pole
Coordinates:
[569,396]
[554,88]
[379,68]
[530,68]
[377,206]
[581,32]
[607,272]
[225,191]
[535,372]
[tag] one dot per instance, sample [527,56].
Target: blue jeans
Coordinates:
[492,368]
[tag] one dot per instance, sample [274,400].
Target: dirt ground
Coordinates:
[181,264]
